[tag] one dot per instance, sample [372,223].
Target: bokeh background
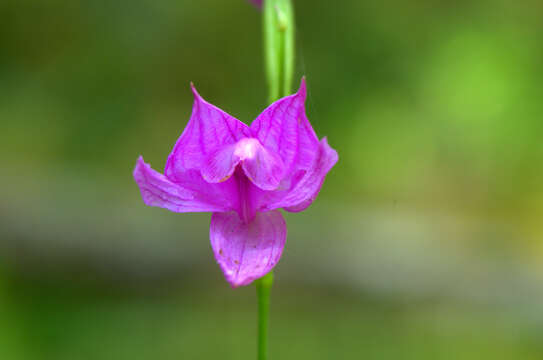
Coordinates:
[426,239]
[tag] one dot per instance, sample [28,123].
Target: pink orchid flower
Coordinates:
[242,175]
[257,2]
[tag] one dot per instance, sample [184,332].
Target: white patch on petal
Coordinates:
[246,148]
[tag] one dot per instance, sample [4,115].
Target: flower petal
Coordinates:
[283,128]
[247,251]
[220,164]
[192,194]
[304,186]
[208,129]
[264,168]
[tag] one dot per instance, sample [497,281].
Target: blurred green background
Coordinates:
[426,239]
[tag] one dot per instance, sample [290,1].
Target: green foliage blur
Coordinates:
[426,239]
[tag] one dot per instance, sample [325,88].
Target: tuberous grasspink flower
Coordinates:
[242,175]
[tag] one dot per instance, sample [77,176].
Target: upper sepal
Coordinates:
[283,128]
[208,129]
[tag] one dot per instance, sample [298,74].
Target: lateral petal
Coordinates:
[208,129]
[220,164]
[283,128]
[247,251]
[192,194]
[264,168]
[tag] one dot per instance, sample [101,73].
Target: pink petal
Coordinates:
[192,194]
[208,129]
[283,129]
[247,251]
[220,164]
[304,186]
[264,168]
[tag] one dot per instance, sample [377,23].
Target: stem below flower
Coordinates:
[263,290]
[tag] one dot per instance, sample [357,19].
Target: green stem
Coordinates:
[271,49]
[263,290]
[288,47]
[278,39]
[278,36]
